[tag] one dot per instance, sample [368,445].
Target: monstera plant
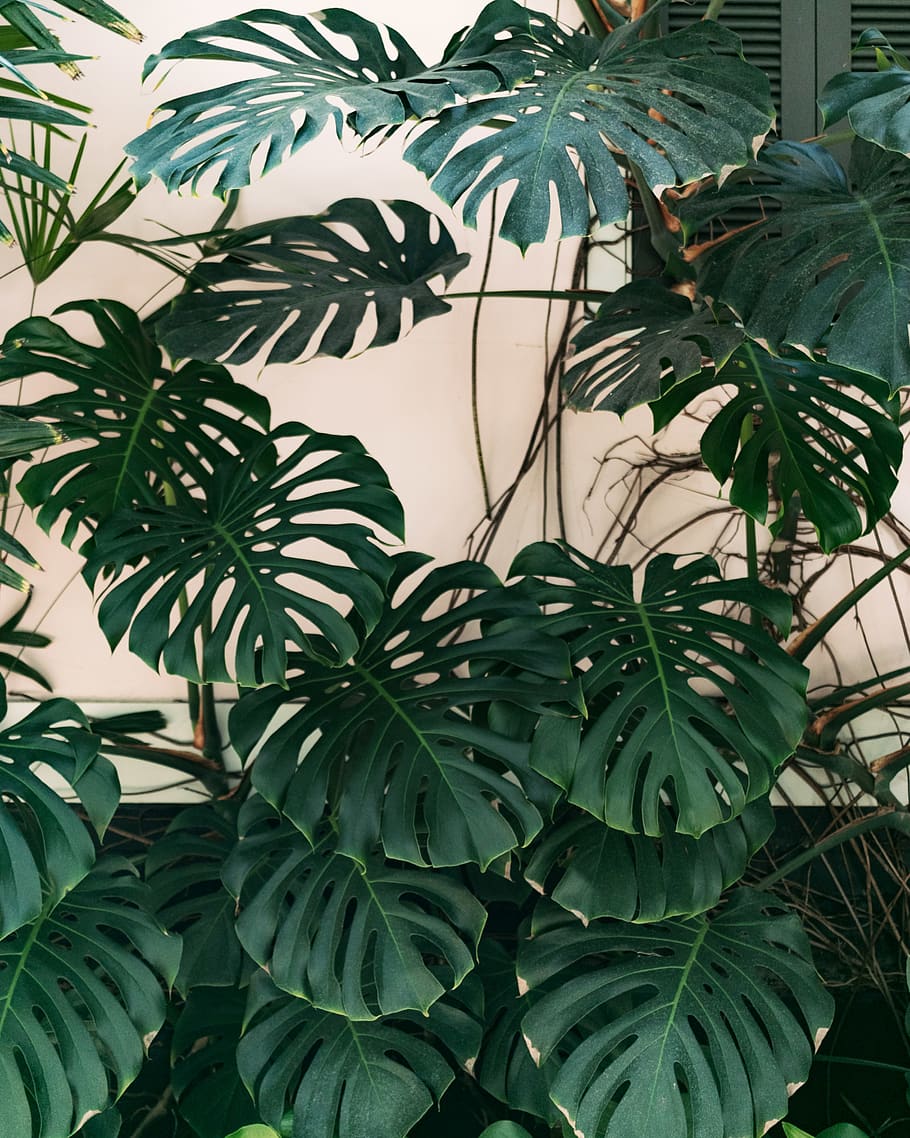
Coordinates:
[489,850]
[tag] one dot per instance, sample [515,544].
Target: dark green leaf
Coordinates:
[80,1002]
[709,1023]
[44,846]
[344,1079]
[235,549]
[594,871]
[183,871]
[505,1068]
[11,636]
[104,1125]
[643,340]
[829,268]
[876,103]
[588,99]
[19,436]
[308,64]
[304,281]
[388,740]
[656,735]
[210,1094]
[818,440]
[11,547]
[361,940]
[142,425]
[505,1130]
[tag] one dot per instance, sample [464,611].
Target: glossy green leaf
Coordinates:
[822,442]
[588,99]
[308,64]
[344,1079]
[504,1067]
[875,103]
[388,740]
[9,576]
[80,1000]
[183,872]
[657,734]
[828,266]
[25,17]
[18,640]
[360,940]
[255,1131]
[641,342]
[709,1024]
[20,436]
[45,849]
[594,871]
[505,1130]
[104,1125]
[839,1130]
[142,424]
[235,549]
[210,1094]
[310,282]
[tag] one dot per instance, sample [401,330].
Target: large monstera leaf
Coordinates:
[642,341]
[360,940]
[143,425]
[824,443]
[698,1028]
[678,107]
[80,1000]
[654,734]
[594,871]
[210,1094]
[44,847]
[234,550]
[388,740]
[829,267]
[183,872]
[344,1079]
[308,64]
[304,281]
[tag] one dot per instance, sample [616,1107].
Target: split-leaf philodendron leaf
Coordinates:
[876,103]
[360,940]
[234,550]
[642,341]
[52,861]
[678,107]
[345,1079]
[388,739]
[695,1029]
[305,285]
[80,1001]
[829,268]
[210,1094]
[655,735]
[594,871]
[183,872]
[818,440]
[308,64]
[142,424]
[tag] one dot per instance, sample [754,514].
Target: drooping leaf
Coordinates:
[25,17]
[45,849]
[829,268]
[344,1079]
[656,735]
[142,425]
[80,1000]
[708,1023]
[874,102]
[504,1067]
[388,740]
[642,341]
[679,107]
[235,549]
[304,280]
[210,1094]
[183,872]
[11,547]
[308,64]
[360,940]
[20,436]
[824,443]
[505,1129]
[594,871]
[107,1124]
